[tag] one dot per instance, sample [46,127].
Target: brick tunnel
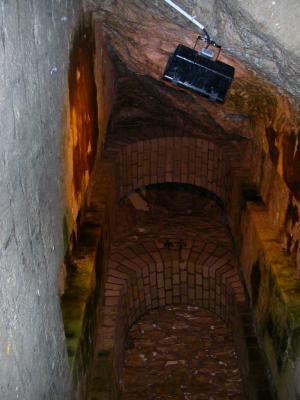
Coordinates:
[171,246]
[174,256]
[127,258]
[149,235]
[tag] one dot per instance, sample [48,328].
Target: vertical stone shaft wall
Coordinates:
[36,37]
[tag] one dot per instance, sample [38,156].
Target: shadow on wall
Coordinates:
[86,226]
[82,135]
[77,284]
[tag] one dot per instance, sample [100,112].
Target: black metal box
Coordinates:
[191,70]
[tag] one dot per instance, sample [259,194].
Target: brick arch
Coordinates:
[146,275]
[143,275]
[180,159]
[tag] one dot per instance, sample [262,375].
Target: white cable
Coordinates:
[185,14]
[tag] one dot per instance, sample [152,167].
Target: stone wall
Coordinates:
[36,37]
[270,279]
[82,134]
[91,81]
[266,233]
[90,204]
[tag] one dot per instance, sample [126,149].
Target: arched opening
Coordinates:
[175,251]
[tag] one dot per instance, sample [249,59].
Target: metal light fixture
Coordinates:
[199,70]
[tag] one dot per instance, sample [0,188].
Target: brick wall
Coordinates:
[173,159]
[144,275]
[149,276]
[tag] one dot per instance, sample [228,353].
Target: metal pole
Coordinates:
[185,14]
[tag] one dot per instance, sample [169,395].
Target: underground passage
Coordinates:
[149,200]
[180,352]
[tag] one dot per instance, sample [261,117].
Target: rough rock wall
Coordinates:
[91,80]
[265,34]
[94,94]
[34,55]
[82,133]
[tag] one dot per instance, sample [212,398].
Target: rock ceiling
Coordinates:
[141,35]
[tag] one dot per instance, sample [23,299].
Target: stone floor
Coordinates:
[183,353]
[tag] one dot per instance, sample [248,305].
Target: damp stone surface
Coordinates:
[181,352]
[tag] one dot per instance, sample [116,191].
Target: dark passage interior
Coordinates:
[180,352]
[172,263]
[178,349]
[149,236]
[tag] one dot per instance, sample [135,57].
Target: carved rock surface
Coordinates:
[264,35]
[141,36]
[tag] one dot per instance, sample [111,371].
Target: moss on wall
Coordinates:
[275,294]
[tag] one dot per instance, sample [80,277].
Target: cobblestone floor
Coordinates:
[183,353]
